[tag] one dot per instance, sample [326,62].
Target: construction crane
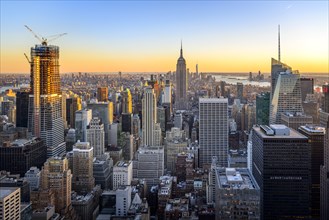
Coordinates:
[44,41]
[28,60]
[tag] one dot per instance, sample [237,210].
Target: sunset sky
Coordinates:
[145,36]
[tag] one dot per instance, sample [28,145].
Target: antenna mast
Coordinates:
[279,49]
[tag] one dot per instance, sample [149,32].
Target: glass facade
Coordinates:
[286,96]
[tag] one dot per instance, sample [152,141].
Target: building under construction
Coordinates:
[45,102]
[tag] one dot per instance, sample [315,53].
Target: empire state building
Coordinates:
[181,83]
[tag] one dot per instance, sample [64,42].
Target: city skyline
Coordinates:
[145,36]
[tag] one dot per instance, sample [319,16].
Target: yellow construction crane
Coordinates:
[44,41]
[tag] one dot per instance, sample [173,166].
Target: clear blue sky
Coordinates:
[145,36]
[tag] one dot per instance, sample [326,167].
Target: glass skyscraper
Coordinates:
[286,97]
[263,108]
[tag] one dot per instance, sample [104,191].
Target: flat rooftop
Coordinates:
[213,100]
[293,134]
[5,191]
[123,163]
[313,129]
[232,178]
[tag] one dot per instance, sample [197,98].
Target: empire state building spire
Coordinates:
[181,48]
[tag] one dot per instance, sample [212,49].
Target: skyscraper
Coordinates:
[263,108]
[96,136]
[324,181]
[127,104]
[306,86]
[56,177]
[316,136]
[82,120]
[213,130]
[10,205]
[21,154]
[73,104]
[102,94]
[22,108]
[324,185]
[104,111]
[281,162]
[149,119]
[45,104]
[276,68]
[83,180]
[286,97]
[239,88]
[325,91]
[181,82]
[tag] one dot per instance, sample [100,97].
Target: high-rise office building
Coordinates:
[149,119]
[5,107]
[213,130]
[56,177]
[122,174]
[70,139]
[127,122]
[127,103]
[10,204]
[21,154]
[239,89]
[123,200]
[306,86]
[263,108]
[96,136]
[325,102]
[22,108]
[149,164]
[276,68]
[281,163]
[82,120]
[33,176]
[181,82]
[102,94]
[315,136]
[286,96]
[237,194]
[167,92]
[73,104]
[104,111]
[295,120]
[45,101]
[83,180]
[324,181]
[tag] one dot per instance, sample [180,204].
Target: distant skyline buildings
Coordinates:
[238,54]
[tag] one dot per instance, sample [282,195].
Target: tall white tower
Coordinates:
[149,118]
[96,136]
[213,130]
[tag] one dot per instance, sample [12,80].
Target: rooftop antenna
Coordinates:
[181,48]
[279,49]
[44,41]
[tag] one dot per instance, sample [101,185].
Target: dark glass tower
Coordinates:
[263,108]
[316,136]
[281,162]
[22,108]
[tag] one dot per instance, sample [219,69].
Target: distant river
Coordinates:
[241,79]
[4,88]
